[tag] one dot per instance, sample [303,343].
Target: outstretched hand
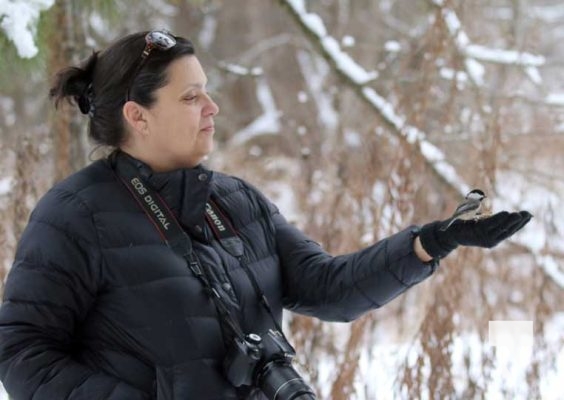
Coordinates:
[486,232]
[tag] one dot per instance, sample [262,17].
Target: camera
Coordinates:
[265,362]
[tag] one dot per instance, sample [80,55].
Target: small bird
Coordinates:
[472,208]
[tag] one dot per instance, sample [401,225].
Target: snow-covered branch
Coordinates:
[267,123]
[342,61]
[240,70]
[355,75]
[474,53]
[18,20]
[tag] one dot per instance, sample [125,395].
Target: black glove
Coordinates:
[486,232]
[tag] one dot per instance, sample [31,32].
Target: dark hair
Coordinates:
[99,85]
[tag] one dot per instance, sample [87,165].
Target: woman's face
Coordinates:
[180,123]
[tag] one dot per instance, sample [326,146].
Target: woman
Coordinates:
[146,275]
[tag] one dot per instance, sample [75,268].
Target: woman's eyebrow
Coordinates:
[194,86]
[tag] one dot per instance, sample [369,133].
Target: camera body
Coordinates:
[265,362]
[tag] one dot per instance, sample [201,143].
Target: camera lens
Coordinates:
[279,381]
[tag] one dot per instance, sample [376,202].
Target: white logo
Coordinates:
[216,220]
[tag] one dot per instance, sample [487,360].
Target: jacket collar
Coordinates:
[185,190]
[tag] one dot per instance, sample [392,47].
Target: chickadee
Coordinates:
[472,208]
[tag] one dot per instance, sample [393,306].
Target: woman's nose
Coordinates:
[212,108]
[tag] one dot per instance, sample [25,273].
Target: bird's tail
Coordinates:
[447,223]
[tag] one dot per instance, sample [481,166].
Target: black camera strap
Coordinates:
[227,236]
[174,236]
[178,240]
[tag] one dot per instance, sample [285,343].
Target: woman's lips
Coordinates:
[209,128]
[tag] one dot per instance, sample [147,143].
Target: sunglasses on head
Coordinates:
[160,40]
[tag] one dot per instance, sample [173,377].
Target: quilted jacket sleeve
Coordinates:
[49,291]
[344,287]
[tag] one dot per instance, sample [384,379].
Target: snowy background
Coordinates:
[357,119]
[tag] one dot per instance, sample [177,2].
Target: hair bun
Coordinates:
[75,83]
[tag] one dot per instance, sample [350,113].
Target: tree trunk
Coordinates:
[65,36]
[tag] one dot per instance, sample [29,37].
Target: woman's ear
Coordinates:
[134,115]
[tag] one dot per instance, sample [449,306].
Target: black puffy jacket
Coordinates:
[96,306]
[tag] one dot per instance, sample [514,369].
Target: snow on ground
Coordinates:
[379,367]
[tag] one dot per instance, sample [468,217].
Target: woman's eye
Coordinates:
[196,96]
